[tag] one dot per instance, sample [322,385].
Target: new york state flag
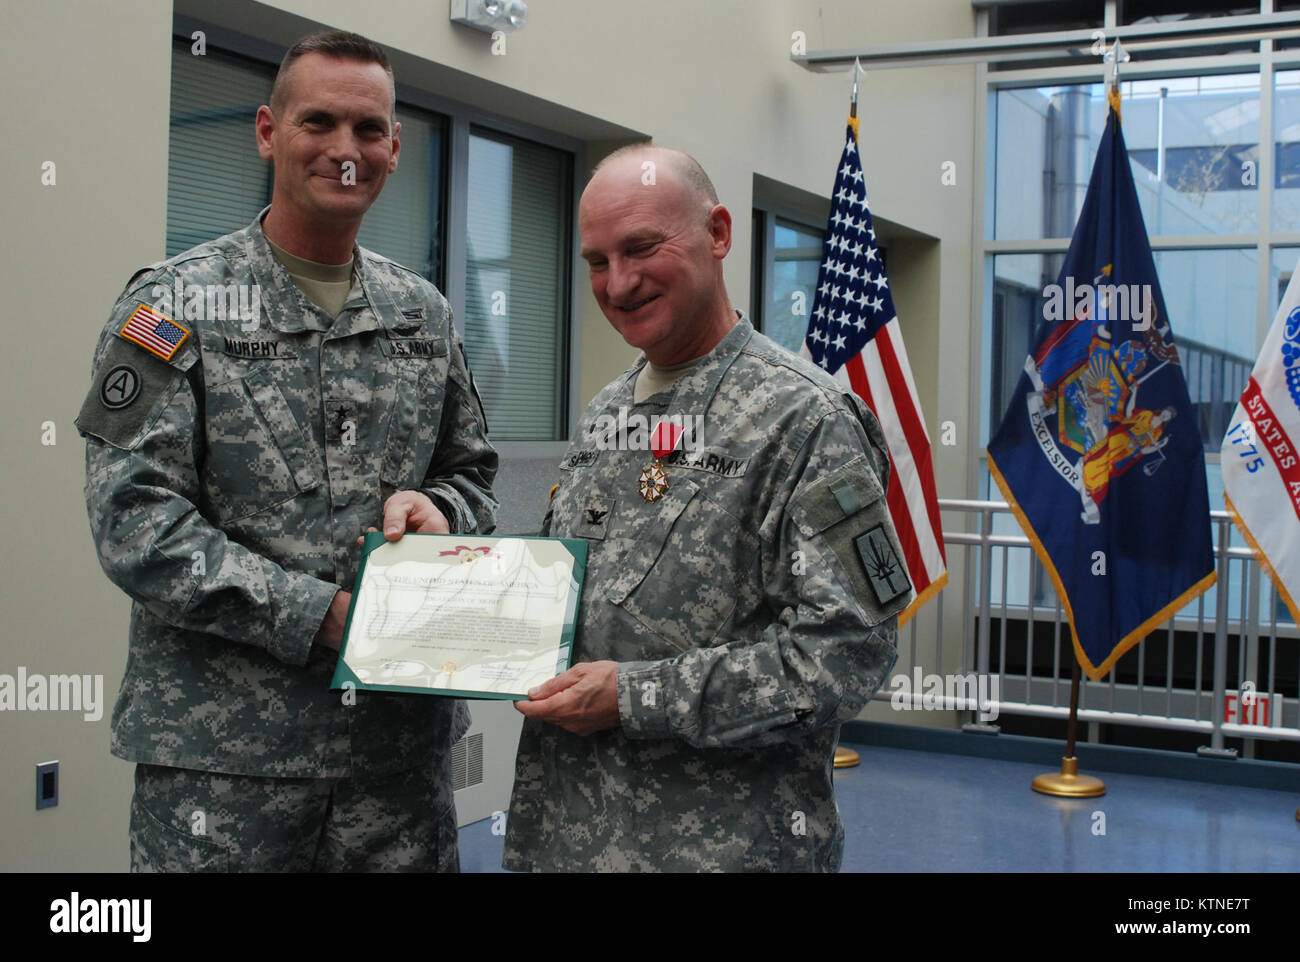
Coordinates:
[1099,453]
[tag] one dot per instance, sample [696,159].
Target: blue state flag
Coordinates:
[1099,453]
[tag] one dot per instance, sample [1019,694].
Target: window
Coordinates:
[1018,282]
[1193,147]
[1217,229]
[1286,147]
[787,253]
[516,292]
[216,182]
[1043,16]
[405,223]
[1285,262]
[797,255]
[1149,11]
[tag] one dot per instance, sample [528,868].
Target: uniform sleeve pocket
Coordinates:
[129,390]
[846,510]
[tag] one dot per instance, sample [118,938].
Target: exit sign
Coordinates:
[1257,708]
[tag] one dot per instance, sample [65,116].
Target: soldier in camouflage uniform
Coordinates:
[729,622]
[229,473]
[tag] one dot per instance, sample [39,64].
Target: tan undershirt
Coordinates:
[653,379]
[325,285]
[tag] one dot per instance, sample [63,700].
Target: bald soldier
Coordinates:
[729,624]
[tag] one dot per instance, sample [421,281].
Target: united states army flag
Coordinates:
[1261,466]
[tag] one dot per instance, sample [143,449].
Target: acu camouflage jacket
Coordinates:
[226,488]
[752,609]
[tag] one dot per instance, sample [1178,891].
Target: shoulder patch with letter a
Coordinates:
[120,387]
[126,387]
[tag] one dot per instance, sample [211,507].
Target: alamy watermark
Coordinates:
[636,432]
[36,692]
[969,692]
[75,915]
[210,302]
[1132,304]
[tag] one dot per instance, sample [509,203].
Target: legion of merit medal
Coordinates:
[654,479]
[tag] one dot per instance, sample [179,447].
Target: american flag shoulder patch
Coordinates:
[154,332]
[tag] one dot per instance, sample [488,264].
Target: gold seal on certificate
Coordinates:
[462,615]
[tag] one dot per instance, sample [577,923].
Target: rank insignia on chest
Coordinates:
[653,481]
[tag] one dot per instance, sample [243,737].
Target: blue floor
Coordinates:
[916,811]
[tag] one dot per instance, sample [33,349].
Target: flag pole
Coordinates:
[1068,783]
[853,104]
[873,341]
[1111,59]
[847,757]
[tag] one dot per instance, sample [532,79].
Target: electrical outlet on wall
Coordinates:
[47,784]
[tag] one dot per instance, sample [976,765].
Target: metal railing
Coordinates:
[1007,613]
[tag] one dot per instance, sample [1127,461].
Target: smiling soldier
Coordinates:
[229,473]
[729,622]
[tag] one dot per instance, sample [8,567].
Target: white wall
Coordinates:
[77,93]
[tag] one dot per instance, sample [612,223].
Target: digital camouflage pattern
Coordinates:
[227,495]
[743,614]
[188,821]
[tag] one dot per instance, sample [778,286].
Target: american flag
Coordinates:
[155,333]
[854,335]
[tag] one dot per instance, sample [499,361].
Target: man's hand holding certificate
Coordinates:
[462,615]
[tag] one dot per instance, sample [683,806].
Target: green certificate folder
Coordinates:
[461,615]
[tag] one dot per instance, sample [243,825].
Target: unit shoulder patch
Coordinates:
[123,393]
[886,573]
[119,387]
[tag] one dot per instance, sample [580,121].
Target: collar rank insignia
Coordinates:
[155,333]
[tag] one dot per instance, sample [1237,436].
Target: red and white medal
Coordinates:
[654,479]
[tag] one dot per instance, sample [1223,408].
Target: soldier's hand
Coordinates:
[583,700]
[411,511]
[331,629]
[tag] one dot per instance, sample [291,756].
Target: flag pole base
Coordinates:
[848,758]
[1068,783]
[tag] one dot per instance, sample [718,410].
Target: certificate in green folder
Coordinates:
[462,615]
